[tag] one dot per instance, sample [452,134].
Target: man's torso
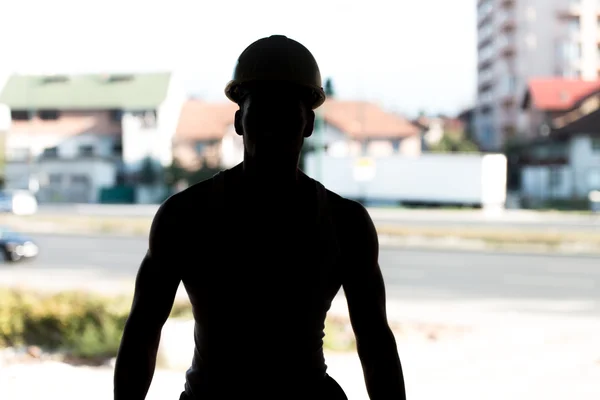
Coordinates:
[261,277]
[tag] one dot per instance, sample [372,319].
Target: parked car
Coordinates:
[18,202]
[15,246]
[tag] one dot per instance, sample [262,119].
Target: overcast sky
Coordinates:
[406,55]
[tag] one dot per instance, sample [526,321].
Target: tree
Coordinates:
[328,88]
[454,144]
[149,174]
[176,173]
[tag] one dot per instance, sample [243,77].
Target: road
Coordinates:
[507,219]
[543,284]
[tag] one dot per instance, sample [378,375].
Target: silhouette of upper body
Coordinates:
[262,250]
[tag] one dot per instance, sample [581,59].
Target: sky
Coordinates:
[406,55]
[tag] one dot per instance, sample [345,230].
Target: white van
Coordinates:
[18,202]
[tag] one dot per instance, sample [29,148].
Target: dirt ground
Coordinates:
[520,359]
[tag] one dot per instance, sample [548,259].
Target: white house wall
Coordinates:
[536,183]
[168,118]
[67,146]
[232,148]
[340,144]
[18,171]
[585,163]
[140,142]
[101,174]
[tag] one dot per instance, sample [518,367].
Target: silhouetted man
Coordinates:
[262,250]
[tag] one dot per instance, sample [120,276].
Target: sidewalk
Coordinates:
[466,351]
[474,368]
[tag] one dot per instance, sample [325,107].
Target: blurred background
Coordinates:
[470,129]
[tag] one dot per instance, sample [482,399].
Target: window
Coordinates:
[51,152]
[55,179]
[574,26]
[555,178]
[116,115]
[86,151]
[20,115]
[80,179]
[147,118]
[55,79]
[49,114]
[120,78]
[117,148]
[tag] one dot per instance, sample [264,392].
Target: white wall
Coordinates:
[232,148]
[140,142]
[536,183]
[168,118]
[340,145]
[68,146]
[585,164]
[101,173]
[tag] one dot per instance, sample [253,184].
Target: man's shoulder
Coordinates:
[346,209]
[188,202]
[180,210]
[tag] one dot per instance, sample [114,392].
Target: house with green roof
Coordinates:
[71,136]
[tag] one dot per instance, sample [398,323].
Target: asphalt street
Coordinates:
[518,282]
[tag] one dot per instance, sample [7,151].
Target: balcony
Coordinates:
[486,80]
[485,37]
[507,20]
[507,45]
[508,100]
[484,13]
[486,57]
[572,9]
[486,99]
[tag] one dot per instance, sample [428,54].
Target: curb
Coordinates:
[440,239]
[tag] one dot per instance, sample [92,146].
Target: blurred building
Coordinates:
[205,134]
[560,154]
[362,128]
[71,136]
[521,39]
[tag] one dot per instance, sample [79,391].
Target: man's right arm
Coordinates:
[156,285]
[365,294]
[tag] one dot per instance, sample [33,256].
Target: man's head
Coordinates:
[274,119]
[277,85]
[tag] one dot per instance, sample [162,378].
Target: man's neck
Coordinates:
[281,176]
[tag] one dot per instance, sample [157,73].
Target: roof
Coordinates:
[558,94]
[360,119]
[200,120]
[86,91]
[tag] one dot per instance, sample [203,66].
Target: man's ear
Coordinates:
[239,129]
[310,123]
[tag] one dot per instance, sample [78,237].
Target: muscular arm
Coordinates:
[155,289]
[365,293]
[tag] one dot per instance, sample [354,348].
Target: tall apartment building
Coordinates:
[521,39]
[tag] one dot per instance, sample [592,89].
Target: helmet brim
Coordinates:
[234,92]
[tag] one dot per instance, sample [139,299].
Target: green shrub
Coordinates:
[88,326]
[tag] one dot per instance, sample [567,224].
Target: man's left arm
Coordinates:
[155,289]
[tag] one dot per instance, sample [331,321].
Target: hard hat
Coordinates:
[277,58]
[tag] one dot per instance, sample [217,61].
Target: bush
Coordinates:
[79,324]
[87,326]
